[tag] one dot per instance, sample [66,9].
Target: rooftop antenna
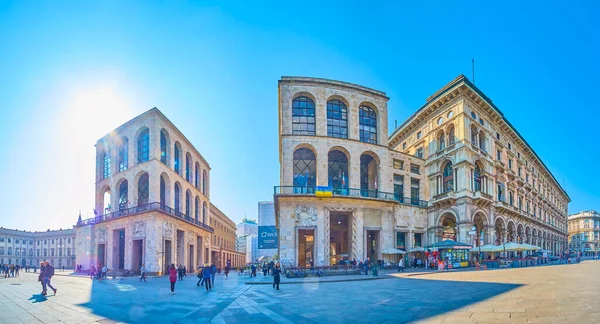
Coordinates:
[473,69]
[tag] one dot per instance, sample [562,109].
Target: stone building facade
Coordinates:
[348,191]
[30,248]
[334,135]
[223,245]
[482,173]
[584,231]
[152,200]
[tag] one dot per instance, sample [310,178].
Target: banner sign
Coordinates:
[267,237]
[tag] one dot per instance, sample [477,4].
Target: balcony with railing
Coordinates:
[155,206]
[480,195]
[449,196]
[350,192]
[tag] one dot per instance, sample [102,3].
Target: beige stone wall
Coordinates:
[366,214]
[223,239]
[153,229]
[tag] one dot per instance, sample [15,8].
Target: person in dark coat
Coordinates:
[206,276]
[41,277]
[276,275]
[265,268]
[253,270]
[271,266]
[213,272]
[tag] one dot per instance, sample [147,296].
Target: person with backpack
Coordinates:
[48,273]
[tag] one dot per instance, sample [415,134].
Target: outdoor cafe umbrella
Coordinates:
[392,251]
[512,246]
[416,249]
[450,244]
[490,248]
[532,247]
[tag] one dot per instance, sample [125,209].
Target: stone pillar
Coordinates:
[322,166]
[354,170]
[326,237]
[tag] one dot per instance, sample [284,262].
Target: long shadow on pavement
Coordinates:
[38,298]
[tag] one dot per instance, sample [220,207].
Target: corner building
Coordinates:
[152,200]
[457,163]
[584,231]
[482,173]
[334,134]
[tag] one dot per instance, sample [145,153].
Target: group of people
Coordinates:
[45,276]
[10,270]
[98,273]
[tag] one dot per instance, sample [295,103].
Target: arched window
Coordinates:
[303,116]
[197,176]
[124,155]
[305,170]
[188,203]
[204,181]
[337,172]
[123,192]
[368,125]
[441,141]
[163,196]
[143,190]
[204,213]
[477,178]
[473,135]
[448,177]
[368,176]
[177,154]
[188,168]
[482,140]
[197,208]
[106,164]
[163,147]
[177,198]
[143,144]
[451,138]
[337,122]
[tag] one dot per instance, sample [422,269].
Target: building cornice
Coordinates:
[462,86]
[320,82]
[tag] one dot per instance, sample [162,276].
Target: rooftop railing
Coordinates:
[155,206]
[351,192]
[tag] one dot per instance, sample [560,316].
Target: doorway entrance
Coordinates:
[168,256]
[118,249]
[138,254]
[339,239]
[180,249]
[101,254]
[373,245]
[190,265]
[306,247]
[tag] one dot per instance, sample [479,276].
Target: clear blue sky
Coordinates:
[71,71]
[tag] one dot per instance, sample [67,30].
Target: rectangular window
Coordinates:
[498,155]
[398,187]
[398,164]
[510,198]
[401,240]
[414,191]
[418,239]
[123,156]
[510,164]
[519,172]
[106,165]
[501,192]
[509,146]
[519,155]
[419,153]
[404,146]
[497,135]
[414,168]
[419,135]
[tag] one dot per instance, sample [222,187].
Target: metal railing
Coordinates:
[351,192]
[155,206]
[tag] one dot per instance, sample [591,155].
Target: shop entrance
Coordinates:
[373,245]
[168,256]
[306,247]
[101,254]
[339,239]
[180,249]
[118,249]
[138,256]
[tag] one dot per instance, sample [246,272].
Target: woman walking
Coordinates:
[276,275]
[172,277]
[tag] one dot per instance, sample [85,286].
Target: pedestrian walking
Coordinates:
[265,269]
[143,273]
[276,275]
[206,276]
[184,271]
[172,277]
[41,276]
[401,265]
[252,270]
[104,271]
[48,273]
[180,272]
[213,272]
[200,278]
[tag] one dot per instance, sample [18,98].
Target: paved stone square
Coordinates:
[548,294]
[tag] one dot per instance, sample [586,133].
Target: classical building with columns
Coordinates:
[482,173]
[348,190]
[27,248]
[152,200]
[584,231]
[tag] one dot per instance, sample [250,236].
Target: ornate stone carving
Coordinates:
[139,229]
[306,216]
[354,236]
[327,240]
[102,235]
[167,229]
[191,238]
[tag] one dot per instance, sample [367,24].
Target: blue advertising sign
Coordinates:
[267,237]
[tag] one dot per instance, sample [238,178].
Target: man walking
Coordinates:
[143,273]
[213,272]
[48,273]
[206,274]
